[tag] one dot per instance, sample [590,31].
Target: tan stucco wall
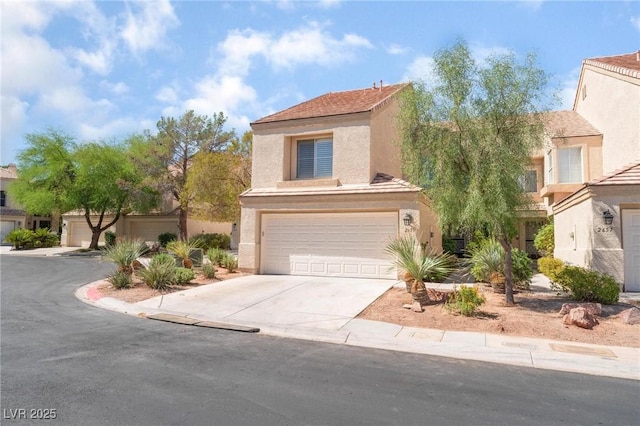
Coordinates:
[611,104]
[385,141]
[596,245]
[254,207]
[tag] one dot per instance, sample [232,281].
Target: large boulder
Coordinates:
[581,318]
[592,308]
[630,316]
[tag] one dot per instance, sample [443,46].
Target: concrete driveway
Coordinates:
[283,300]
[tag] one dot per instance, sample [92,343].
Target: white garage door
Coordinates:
[6,226]
[328,244]
[80,235]
[631,239]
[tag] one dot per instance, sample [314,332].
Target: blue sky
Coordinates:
[105,70]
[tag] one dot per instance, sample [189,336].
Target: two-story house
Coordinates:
[592,182]
[11,215]
[326,196]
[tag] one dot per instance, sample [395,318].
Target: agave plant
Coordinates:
[419,265]
[125,253]
[487,261]
[183,250]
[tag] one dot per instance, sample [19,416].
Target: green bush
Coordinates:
[230,263]
[125,253]
[588,286]
[183,275]
[43,237]
[521,268]
[420,263]
[465,301]
[448,245]
[209,241]
[550,267]
[110,238]
[20,238]
[209,270]
[161,272]
[543,241]
[120,280]
[216,255]
[488,257]
[165,237]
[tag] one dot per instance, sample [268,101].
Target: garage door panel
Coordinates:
[631,238]
[328,244]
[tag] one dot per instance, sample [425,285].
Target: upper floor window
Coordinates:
[549,167]
[570,165]
[529,181]
[315,158]
[3,199]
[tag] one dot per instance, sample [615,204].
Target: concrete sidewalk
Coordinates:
[50,251]
[302,315]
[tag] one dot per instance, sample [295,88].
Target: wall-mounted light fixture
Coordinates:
[19,224]
[407,219]
[607,216]
[572,235]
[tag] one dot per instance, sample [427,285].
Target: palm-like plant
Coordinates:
[418,264]
[487,261]
[183,250]
[124,253]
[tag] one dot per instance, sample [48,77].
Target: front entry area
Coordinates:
[328,244]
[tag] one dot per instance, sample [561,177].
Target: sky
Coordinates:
[104,70]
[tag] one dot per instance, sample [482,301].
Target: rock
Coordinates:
[590,307]
[407,306]
[416,307]
[630,316]
[581,318]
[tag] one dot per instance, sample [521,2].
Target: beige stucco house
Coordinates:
[11,214]
[326,193]
[592,179]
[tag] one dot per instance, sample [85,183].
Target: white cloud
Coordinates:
[566,91]
[238,48]
[109,129]
[147,29]
[118,88]
[635,20]
[421,69]
[396,49]
[167,94]
[481,53]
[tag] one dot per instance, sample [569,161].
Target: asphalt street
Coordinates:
[85,366]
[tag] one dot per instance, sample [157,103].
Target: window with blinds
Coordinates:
[315,158]
[570,165]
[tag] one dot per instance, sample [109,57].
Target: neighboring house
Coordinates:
[326,194]
[593,187]
[11,215]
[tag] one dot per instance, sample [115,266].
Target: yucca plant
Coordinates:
[183,250]
[419,265]
[161,272]
[124,253]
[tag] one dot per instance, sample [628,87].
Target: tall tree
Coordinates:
[217,179]
[468,139]
[45,175]
[173,149]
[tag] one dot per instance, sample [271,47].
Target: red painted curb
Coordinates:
[94,294]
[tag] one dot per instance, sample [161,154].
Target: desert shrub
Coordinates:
[209,241]
[166,237]
[543,241]
[124,253]
[110,238]
[20,238]
[161,272]
[209,270]
[550,267]
[418,263]
[43,237]
[120,279]
[216,255]
[521,268]
[486,258]
[184,250]
[183,275]
[465,301]
[588,286]
[230,263]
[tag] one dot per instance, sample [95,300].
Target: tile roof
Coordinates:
[568,123]
[381,184]
[626,64]
[336,103]
[628,175]
[9,172]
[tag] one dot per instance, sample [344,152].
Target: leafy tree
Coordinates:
[45,174]
[58,175]
[107,184]
[168,156]
[467,140]
[217,179]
